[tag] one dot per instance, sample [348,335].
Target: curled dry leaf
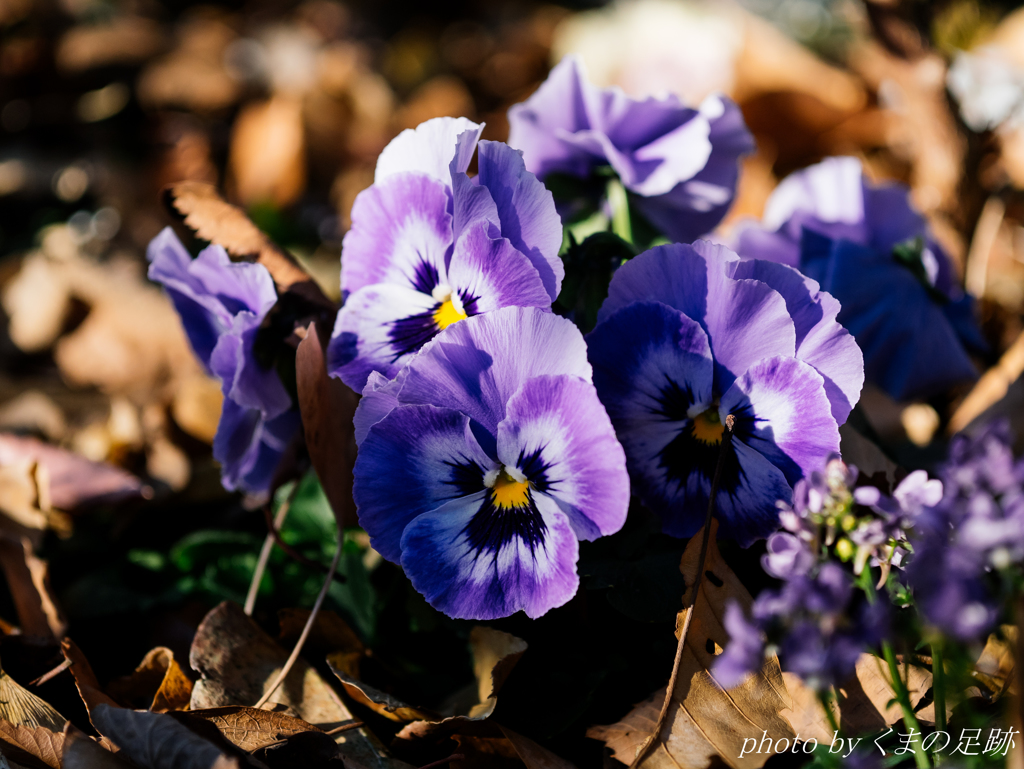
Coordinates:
[237,661]
[37,746]
[330,633]
[327,407]
[158,684]
[212,218]
[995,667]
[28,580]
[379,702]
[251,728]
[83,752]
[507,749]
[75,482]
[89,688]
[704,721]
[20,707]
[157,741]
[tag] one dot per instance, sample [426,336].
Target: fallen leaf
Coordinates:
[995,667]
[158,684]
[196,406]
[28,582]
[533,755]
[75,482]
[991,389]
[36,301]
[310,750]
[250,728]
[121,41]
[34,411]
[704,721]
[212,218]
[89,688]
[379,702]
[237,661]
[20,707]
[330,633]
[32,746]
[157,741]
[863,454]
[327,406]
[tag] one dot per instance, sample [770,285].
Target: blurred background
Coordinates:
[285,107]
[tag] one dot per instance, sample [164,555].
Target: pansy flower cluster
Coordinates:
[868,247]
[969,546]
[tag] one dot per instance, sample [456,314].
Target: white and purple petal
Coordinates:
[429,149]
[412,461]
[477,364]
[401,233]
[489,273]
[783,413]
[558,435]
[473,560]
[378,329]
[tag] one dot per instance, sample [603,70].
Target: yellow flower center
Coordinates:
[708,427]
[447,314]
[508,492]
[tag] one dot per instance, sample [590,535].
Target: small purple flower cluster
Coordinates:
[817,621]
[971,538]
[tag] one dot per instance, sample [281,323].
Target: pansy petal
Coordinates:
[413,460]
[472,204]
[401,233]
[558,435]
[490,273]
[560,101]
[237,442]
[831,191]
[527,210]
[652,370]
[820,339]
[429,148]
[477,364]
[377,329]
[377,401]
[473,561]
[678,155]
[783,413]
[910,348]
[746,504]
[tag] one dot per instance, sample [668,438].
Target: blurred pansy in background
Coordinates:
[222,304]
[867,246]
[679,164]
[486,460]
[692,334]
[430,246]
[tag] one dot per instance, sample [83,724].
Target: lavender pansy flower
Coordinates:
[680,163]
[222,304]
[869,248]
[974,531]
[430,246]
[486,460]
[691,334]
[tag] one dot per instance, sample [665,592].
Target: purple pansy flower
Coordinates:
[430,246]
[222,304]
[691,334]
[484,462]
[681,163]
[869,248]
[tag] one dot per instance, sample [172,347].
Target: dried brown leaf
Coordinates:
[379,702]
[157,684]
[327,407]
[237,661]
[20,707]
[267,160]
[250,728]
[89,688]
[157,741]
[212,218]
[28,581]
[703,720]
[996,665]
[330,633]
[32,746]
[83,752]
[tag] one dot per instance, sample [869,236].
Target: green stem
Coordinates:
[619,203]
[899,688]
[939,685]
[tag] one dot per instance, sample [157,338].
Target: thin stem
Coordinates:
[443,761]
[268,545]
[309,624]
[939,685]
[619,203]
[825,698]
